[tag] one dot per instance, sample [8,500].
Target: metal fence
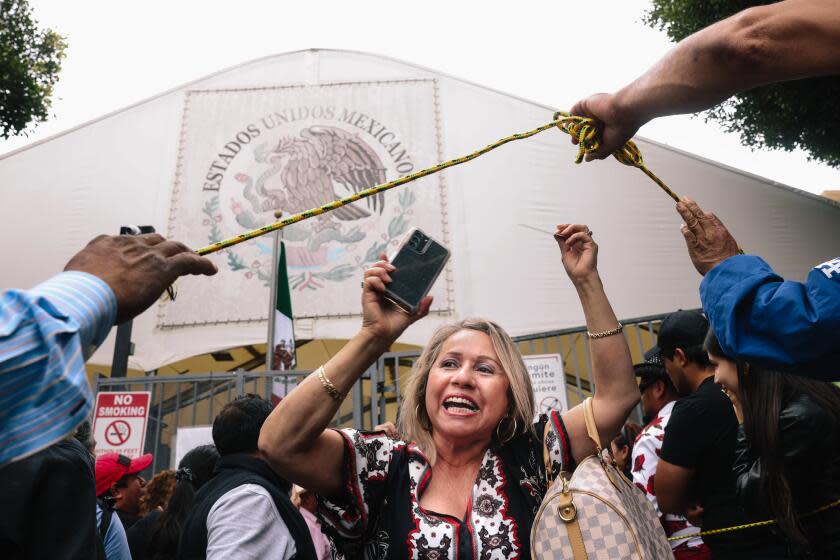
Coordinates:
[194,399]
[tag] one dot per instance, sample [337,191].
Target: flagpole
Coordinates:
[275,263]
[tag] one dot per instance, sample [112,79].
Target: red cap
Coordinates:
[111,467]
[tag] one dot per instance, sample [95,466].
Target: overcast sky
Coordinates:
[123,52]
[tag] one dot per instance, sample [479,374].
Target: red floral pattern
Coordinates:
[645,458]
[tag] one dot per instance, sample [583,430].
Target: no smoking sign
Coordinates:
[117,433]
[119,424]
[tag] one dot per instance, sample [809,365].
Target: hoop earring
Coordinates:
[420,419]
[512,433]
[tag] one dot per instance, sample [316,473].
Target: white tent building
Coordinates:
[215,157]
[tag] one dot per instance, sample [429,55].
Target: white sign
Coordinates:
[549,382]
[246,154]
[119,422]
[187,439]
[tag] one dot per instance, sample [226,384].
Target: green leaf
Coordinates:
[235,261]
[407,198]
[338,273]
[397,226]
[30,61]
[372,254]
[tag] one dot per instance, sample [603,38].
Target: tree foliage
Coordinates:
[800,114]
[30,60]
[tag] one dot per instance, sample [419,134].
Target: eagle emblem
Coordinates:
[319,165]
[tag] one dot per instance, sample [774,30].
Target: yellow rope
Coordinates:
[751,525]
[583,129]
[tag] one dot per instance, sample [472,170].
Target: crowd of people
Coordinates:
[741,420]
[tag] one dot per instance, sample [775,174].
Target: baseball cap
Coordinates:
[681,329]
[111,467]
[651,370]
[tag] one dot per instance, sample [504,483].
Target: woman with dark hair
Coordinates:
[155,537]
[787,459]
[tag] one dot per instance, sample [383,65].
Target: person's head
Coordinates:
[201,464]
[236,429]
[84,435]
[656,388]
[762,394]
[469,384]
[728,372]
[621,446]
[194,470]
[118,479]
[680,344]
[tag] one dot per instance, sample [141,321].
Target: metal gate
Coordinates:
[194,399]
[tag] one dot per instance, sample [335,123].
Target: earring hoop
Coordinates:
[511,435]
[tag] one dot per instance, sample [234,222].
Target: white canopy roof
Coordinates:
[216,156]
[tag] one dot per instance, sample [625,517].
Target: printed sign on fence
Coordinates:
[549,382]
[119,423]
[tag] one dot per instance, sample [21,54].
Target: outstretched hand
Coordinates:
[709,242]
[617,126]
[578,250]
[138,268]
[383,319]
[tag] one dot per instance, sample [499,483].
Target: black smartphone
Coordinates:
[418,261]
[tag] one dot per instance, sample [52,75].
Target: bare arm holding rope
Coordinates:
[779,42]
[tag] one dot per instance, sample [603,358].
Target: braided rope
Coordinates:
[583,129]
[751,525]
[588,137]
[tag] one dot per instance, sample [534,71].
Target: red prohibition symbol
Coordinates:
[550,403]
[117,432]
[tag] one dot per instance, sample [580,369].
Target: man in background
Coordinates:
[658,398]
[244,511]
[119,484]
[694,475]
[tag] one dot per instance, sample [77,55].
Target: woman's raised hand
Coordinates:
[381,318]
[578,250]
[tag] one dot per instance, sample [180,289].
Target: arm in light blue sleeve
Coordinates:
[45,336]
[762,318]
[115,541]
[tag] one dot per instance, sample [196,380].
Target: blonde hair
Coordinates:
[414,424]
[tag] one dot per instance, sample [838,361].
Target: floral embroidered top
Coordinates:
[645,458]
[379,515]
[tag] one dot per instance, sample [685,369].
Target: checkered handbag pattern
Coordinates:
[615,519]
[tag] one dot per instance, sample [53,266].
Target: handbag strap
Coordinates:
[591,428]
[591,431]
[546,456]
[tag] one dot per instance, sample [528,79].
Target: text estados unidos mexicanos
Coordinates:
[121,411]
[387,138]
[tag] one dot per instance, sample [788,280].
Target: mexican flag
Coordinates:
[283,345]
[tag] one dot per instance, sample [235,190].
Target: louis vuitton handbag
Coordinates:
[596,513]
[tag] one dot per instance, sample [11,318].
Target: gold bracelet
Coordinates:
[604,334]
[328,385]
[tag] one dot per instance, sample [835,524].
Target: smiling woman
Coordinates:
[468,476]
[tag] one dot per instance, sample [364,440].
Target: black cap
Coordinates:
[681,329]
[652,370]
[652,356]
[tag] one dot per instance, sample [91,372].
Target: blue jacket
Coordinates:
[760,317]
